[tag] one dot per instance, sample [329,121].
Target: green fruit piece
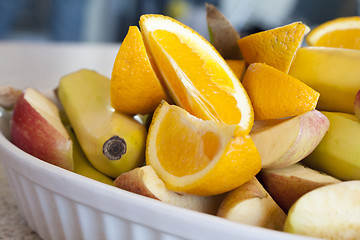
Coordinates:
[338,154]
[113,142]
[82,165]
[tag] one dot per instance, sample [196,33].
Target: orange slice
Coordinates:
[134,87]
[198,157]
[275,94]
[276,47]
[340,33]
[197,77]
[238,67]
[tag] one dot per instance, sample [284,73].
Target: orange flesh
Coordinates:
[198,155]
[349,38]
[134,87]
[204,88]
[275,94]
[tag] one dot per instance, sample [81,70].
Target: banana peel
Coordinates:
[113,142]
[82,165]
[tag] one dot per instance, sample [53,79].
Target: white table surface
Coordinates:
[20,62]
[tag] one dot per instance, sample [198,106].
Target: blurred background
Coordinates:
[108,20]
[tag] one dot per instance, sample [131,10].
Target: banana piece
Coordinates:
[82,166]
[338,153]
[114,143]
[333,72]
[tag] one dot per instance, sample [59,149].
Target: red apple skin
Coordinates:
[286,190]
[32,133]
[287,194]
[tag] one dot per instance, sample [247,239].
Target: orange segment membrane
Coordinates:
[340,38]
[185,161]
[195,78]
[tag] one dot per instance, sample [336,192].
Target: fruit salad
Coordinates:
[261,131]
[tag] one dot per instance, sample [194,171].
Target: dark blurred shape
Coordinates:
[59,20]
[311,12]
[66,19]
[108,20]
[319,11]
[71,20]
[158,7]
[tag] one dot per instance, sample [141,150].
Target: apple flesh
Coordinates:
[328,212]
[251,204]
[144,181]
[36,128]
[282,143]
[286,185]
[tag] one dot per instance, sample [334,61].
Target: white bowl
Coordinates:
[59,204]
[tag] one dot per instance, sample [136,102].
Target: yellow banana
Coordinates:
[82,166]
[113,142]
[333,72]
[338,152]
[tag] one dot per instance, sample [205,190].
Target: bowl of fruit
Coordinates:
[241,137]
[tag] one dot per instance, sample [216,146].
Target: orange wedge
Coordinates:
[276,47]
[275,94]
[340,33]
[197,77]
[238,67]
[198,157]
[134,87]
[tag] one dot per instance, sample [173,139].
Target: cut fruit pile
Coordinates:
[198,80]
[196,76]
[229,137]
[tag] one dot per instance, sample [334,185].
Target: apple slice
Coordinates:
[285,142]
[328,212]
[251,204]
[36,128]
[144,181]
[286,185]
